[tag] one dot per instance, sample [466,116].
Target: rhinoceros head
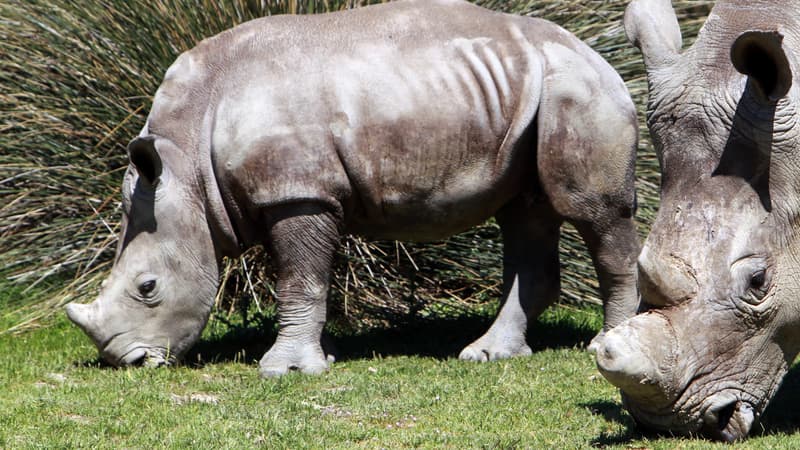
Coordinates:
[157,298]
[718,273]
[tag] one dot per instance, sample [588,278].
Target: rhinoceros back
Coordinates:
[406,118]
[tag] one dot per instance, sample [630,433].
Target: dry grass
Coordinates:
[77,79]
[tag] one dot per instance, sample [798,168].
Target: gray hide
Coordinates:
[411,120]
[718,272]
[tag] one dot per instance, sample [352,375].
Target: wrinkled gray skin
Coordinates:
[718,272]
[411,120]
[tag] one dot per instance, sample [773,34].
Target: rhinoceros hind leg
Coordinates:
[614,246]
[303,240]
[588,175]
[530,279]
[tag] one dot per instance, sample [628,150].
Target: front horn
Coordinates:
[82,316]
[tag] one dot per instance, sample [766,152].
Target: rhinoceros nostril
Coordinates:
[724,415]
[729,423]
[139,361]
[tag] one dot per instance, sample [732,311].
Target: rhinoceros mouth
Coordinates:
[144,356]
[664,419]
[724,416]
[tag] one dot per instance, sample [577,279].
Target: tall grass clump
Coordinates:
[77,79]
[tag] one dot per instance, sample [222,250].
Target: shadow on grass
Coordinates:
[631,431]
[612,412]
[439,338]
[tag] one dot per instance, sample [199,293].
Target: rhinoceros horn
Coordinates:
[82,316]
[651,25]
[760,56]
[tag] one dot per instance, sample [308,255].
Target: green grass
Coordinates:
[390,389]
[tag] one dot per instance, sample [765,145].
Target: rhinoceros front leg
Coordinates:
[303,240]
[530,280]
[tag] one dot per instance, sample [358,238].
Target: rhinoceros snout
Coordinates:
[624,364]
[633,356]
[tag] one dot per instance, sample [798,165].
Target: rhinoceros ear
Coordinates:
[760,56]
[651,25]
[144,157]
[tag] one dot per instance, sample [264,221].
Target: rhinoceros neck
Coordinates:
[180,113]
[222,227]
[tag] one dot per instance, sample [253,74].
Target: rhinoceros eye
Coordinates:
[758,286]
[147,288]
[758,279]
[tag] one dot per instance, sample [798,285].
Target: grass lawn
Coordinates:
[389,389]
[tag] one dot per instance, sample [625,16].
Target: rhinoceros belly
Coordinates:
[430,183]
[400,181]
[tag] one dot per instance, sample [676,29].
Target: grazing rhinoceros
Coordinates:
[410,120]
[718,272]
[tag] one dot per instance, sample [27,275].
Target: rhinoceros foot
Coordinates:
[490,347]
[289,356]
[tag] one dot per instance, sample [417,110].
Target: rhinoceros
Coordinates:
[412,120]
[720,321]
